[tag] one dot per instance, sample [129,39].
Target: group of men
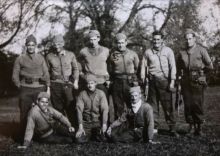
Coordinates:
[109,104]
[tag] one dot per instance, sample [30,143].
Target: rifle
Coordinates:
[179,99]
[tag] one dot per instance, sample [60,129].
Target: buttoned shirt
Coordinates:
[40,122]
[159,63]
[31,67]
[63,66]
[93,61]
[196,58]
[91,106]
[143,118]
[124,62]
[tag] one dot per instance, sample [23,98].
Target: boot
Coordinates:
[198,130]
[172,131]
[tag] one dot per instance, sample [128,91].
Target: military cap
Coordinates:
[93,33]
[43,95]
[90,77]
[120,36]
[135,89]
[31,38]
[189,31]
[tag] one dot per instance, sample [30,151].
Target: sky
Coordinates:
[211,22]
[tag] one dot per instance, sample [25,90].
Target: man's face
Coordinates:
[135,97]
[58,47]
[91,85]
[121,44]
[190,40]
[94,41]
[31,47]
[157,41]
[43,103]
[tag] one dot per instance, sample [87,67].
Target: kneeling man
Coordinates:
[92,112]
[136,124]
[45,120]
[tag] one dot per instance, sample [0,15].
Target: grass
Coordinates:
[209,145]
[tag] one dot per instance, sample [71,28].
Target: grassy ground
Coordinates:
[209,145]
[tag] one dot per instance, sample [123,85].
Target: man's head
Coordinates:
[121,41]
[157,39]
[94,38]
[43,100]
[135,94]
[190,38]
[31,43]
[58,42]
[91,82]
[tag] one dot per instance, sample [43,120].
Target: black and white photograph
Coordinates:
[110,77]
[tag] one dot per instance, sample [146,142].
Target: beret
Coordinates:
[90,77]
[189,31]
[120,36]
[31,38]
[43,95]
[93,33]
[135,89]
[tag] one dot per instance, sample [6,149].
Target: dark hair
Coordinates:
[158,33]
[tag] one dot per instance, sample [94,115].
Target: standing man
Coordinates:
[123,66]
[193,62]
[92,112]
[64,75]
[160,64]
[30,75]
[93,61]
[136,124]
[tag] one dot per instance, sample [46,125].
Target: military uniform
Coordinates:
[44,123]
[92,112]
[123,67]
[191,63]
[30,75]
[94,61]
[134,126]
[64,71]
[161,70]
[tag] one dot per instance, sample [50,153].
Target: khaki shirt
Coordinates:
[196,59]
[36,122]
[94,61]
[63,66]
[91,106]
[159,64]
[30,67]
[124,63]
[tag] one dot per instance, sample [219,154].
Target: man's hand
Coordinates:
[109,131]
[104,128]
[107,83]
[71,129]
[153,142]
[80,132]
[48,90]
[75,84]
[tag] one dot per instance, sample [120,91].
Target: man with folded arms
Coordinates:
[44,121]
[92,112]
